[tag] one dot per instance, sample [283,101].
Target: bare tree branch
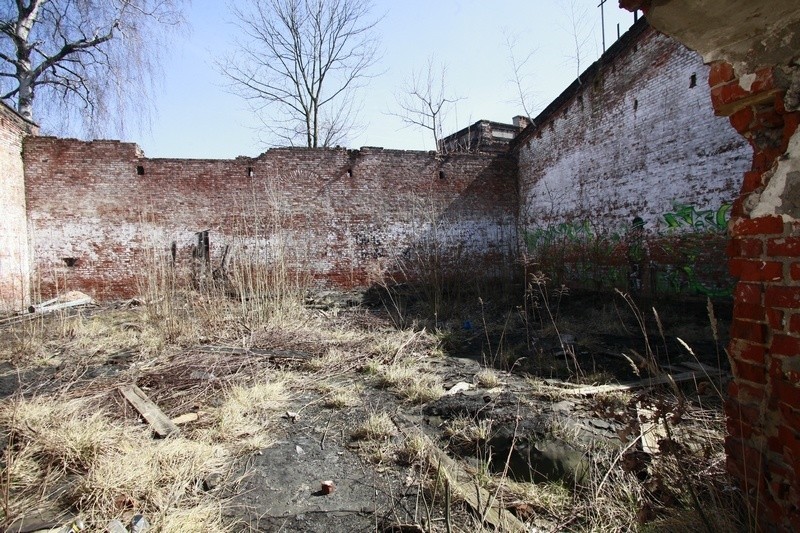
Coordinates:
[83,63]
[520,72]
[299,62]
[423,101]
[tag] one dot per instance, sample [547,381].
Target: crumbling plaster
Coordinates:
[781,196]
[741,32]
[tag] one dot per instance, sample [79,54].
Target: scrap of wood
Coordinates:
[649,382]
[481,500]
[184,418]
[162,425]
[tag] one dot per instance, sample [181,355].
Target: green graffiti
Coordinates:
[684,255]
[687,217]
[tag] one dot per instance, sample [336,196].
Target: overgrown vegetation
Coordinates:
[237,348]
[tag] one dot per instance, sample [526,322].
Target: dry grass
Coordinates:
[488,379]
[340,397]
[100,466]
[247,413]
[411,381]
[377,426]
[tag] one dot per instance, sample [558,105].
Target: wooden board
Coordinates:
[162,425]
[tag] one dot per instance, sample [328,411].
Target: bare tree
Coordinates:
[81,64]
[299,62]
[520,74]
[423,100]
[580,30]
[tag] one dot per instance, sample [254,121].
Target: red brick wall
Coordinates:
[763,410]
[14,258]
[335,214]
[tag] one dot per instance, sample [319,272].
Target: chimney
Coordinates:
[521,122]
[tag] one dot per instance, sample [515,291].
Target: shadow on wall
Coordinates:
[684,256]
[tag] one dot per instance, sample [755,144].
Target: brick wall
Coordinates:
[97,208]
[763,409]
[14,258]
[636,136]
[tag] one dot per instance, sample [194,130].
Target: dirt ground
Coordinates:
[367,403]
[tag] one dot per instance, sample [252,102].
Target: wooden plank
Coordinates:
[650,382]
[464,484]
[162,425]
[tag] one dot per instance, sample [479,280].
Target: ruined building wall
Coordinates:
[636,136]
[98,209]
[14,257]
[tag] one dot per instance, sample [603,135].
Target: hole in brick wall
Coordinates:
[70,261]
[635,104]
[349,172]
[174,251]
[140,170]
[441,174]
[693,81]
[249,172]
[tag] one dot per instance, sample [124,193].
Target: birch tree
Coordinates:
[80,66]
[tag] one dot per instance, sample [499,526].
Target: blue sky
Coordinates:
[197,117]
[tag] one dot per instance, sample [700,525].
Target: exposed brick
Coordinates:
[767,225]
[723,95]
[794,271]
[791,121]
[765,80]
[787,392]
[747,352]
[746,394]
[786,247]
[752,181]
[794,323]
[755,270]
[748,293]
[768,118]
[721,72]
[775,319]
[749,331]
[749,312]
[785,345]
[743,119]
[782,297]
[753,373]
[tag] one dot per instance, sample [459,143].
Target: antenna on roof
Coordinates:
[603,23]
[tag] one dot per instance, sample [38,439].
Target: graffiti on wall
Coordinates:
[685,254]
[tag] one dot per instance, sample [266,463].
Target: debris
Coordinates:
[299,450]
[183,419]
[70,299]
[328,487]
[162,425]
[201,374]
[115,526]
[291,416]
[477,497]
[139,524]
[459,387]
[212,481]
[73,527]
